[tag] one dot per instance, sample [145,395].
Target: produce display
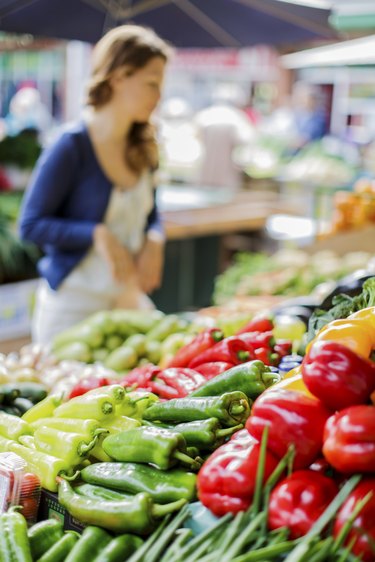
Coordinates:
[224,446]
[287,272]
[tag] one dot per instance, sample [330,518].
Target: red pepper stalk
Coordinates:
[349,439]
[204,340]
[257,325]
[231,350]
[363,529]
[226,481]
[210,370]
[299,500]
[292,418]
[87,384]
[337,375]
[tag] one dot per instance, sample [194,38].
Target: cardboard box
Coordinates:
[50,507]
[16,304]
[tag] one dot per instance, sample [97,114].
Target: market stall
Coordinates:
[143,436]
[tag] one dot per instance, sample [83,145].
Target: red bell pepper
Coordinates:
[210,370]
[292,418]
[87,384]
[257,325]
[226,481]
[204,340]
[363,529]
[299,500]
[267,356]
[337,375]
[349,439]
[283,347]
[182,379]
[254,340]
[140,377]
[231,350]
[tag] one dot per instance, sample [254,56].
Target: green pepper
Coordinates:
[136,321]
[114,391]
[251,378]
[84,332]
[60,550]
[114,425]
[204,434]
[43,535]
[165,327]
[120,423]
[70,447]
[92,541]
[162,485]
[231,408]
[135,403]
[87,427]
[13,427]
[121,359]
[93,406]
[124,516]
[96,492]
[158,446]
[119,549]
[14,542]
[44,409]
[27,441]
[46,467]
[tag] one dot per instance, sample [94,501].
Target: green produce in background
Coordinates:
[165,327]
[83,332]
[74,351]
[122,359]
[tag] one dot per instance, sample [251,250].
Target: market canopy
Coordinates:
[185,23]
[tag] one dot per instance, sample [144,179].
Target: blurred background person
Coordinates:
[222,127]
[90,204]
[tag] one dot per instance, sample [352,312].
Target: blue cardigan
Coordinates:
[67,197]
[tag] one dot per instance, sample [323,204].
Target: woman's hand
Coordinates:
[119,260]
[150,262]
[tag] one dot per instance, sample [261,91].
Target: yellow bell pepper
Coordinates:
[354,333]
[367,315]
[294,382]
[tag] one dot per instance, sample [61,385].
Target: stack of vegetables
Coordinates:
[209,354]
[330,422]
[120,339]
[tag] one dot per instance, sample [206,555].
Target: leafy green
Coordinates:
[343,306]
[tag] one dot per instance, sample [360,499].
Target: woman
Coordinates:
[91,202]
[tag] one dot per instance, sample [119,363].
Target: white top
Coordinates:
[126,218]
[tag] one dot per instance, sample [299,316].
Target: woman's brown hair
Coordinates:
[132,46]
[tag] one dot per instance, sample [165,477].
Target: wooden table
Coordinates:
[247,211]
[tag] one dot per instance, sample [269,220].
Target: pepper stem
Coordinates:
[236,409]
[100,431]
[183,457]
[158,510]
[243,355]
[84,448]
[107,408]
[269,378]
[228,431]
[65,476]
